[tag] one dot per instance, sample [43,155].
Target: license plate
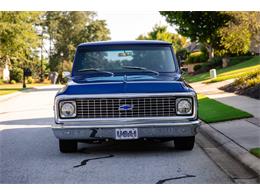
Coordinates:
[126,133]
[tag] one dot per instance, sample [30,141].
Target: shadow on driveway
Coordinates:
[38,135]
[41,143]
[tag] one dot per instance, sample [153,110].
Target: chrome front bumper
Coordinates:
[86,131]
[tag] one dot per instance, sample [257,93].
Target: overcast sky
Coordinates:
[129,25]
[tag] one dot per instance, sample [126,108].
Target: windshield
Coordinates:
[115,59]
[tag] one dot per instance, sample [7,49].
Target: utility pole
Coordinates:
[61,75]
[42,74]
[24,83]
[50,48]
[61,55]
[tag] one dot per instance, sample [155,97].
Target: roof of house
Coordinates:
[193,46]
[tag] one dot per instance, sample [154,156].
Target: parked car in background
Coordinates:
[125,90]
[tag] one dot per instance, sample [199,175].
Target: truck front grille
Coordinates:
[126,107]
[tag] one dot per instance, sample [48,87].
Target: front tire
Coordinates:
[68,146]
[184,143]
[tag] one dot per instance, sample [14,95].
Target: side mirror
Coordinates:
[66,75]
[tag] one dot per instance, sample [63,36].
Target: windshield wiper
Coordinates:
[141,68]
[95,70]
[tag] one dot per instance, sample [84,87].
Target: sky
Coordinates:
[128,25]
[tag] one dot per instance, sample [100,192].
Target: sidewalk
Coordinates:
[237,136]
[244,103]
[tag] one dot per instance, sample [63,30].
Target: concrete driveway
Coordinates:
[29,152]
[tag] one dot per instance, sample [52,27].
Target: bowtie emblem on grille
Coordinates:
[126,107]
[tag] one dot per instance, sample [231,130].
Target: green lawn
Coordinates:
[11,88]
[211,111]
[255,151]
[230,72]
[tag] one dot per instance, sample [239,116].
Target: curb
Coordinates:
[237,152]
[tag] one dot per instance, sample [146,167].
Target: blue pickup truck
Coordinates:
[125,90]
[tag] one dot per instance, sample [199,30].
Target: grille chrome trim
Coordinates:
[124,95]
[109,107]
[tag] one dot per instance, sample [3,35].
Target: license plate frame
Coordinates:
[126,133]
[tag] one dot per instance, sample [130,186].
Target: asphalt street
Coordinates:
[29,152]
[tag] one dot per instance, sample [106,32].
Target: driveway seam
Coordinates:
[253,122]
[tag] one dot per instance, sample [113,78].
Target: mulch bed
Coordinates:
[253,92]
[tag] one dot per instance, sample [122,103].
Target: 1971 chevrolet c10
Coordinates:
[124,91]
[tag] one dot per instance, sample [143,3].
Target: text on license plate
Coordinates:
[127,133]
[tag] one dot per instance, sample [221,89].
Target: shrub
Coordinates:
[30,80]
[16,74]
[197,67]
[247,84]
[248,79]
[1,82]
[182,54]
[205,67]
[238,59]
[204,50]
[13,82]
[197,57]
[214,62]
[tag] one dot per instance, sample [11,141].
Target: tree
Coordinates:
[66,30]
[161,33]
[236,37]
[254,27]
[199,26]
[18,38]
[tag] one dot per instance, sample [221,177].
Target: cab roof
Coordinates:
[137,42]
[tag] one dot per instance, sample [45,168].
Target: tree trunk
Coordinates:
[225,61]
[211,52]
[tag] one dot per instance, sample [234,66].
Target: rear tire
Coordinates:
[184,143]
[68,146]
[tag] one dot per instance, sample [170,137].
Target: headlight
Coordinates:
[67,109]
[184,106]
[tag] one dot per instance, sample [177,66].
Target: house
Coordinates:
[255,45]
[192,47]
[5,73]
[1,72]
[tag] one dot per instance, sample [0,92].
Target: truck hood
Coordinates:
[125,84]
